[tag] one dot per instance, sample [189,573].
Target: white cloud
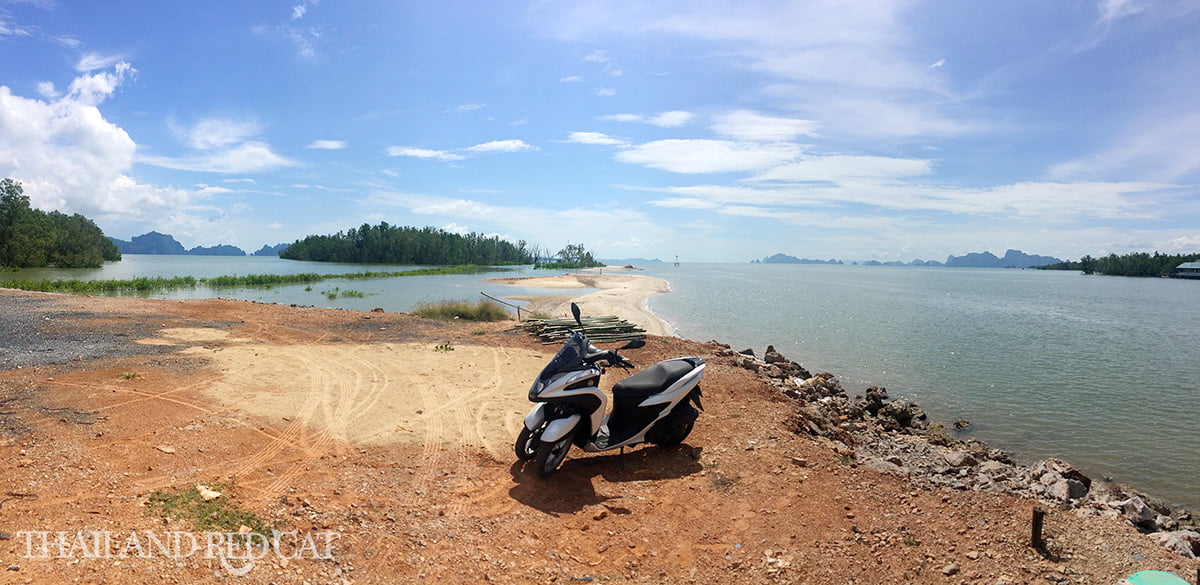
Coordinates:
[605,91]
[47,90]
[454,228]
[623,118]
[216,132]
[1111,10]
[208,190]
[69,158]
[10,29]
[248,157]
[747,125]
[94,89]
[469,107]
[708,156]
[298,11]
[597,56]
[327,144]
[92,61]
[1052,202]
[570,79]
[594,138]
[672,119]
[441,155]
[220,145]
[839,168]
[937,64]
[1160,146]
[501,146]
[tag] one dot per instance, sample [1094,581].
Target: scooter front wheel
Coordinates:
[551,455]
[527,443]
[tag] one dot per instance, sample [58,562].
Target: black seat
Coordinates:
[652,379]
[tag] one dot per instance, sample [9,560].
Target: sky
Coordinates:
[700,129]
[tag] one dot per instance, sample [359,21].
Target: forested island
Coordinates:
[1132,264]
[31,238]
[388,244]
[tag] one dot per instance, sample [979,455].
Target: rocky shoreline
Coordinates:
[895,437]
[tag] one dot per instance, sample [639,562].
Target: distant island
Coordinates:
[785,259]
[157,243]
[1011,259]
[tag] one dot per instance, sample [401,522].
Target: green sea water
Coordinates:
[1101,371]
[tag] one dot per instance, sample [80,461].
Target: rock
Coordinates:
[960,459]
[936,434]
[206,493]
[1184,542]
[799,462]
[1062,469]
[901,416]
[747,352]
[1136,512]
[961,424]
[876,397]
[950,570]
[1067,489]
[884,466]
[166,449]
[773,357]
[377,310]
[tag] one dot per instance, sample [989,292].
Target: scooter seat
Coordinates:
[652,379]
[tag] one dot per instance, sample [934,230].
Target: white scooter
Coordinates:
[652,406]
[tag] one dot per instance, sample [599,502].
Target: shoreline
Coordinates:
[623,295]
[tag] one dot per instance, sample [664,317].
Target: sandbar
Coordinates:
[623,295]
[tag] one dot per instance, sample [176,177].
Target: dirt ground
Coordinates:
[390,437]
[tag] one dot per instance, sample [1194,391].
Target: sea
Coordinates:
[1101,371]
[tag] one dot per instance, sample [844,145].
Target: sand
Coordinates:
[623,295]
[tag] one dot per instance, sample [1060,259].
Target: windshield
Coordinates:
[568,359]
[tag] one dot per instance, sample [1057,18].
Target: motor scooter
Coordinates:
[651,406]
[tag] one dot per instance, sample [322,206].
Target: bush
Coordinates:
[467,311]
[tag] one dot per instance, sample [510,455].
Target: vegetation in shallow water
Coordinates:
[159,284]
[467,311]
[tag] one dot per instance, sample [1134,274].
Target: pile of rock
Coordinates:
[894,436]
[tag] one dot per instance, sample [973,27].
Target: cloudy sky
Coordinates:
[711,130]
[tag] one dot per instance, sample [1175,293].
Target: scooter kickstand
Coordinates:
[621,459]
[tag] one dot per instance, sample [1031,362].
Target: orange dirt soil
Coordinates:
[368,426]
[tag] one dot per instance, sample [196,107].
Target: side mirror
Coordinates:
[634,344]
[577,314]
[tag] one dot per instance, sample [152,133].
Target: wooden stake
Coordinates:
[1039,517]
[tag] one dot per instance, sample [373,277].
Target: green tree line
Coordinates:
[387,244]
[32,238]
[1133,264]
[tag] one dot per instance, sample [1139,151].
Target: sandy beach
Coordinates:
[623,295]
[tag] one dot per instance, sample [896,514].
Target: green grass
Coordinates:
[252,280]
[128,375]
[220,514]
[464,310]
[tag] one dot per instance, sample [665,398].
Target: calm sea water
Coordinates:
[1101,371]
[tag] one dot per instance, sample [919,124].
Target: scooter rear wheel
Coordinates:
[551,455]
[527,444]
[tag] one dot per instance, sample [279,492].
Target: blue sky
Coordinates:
[715,131]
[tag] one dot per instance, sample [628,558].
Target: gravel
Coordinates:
[41,331]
